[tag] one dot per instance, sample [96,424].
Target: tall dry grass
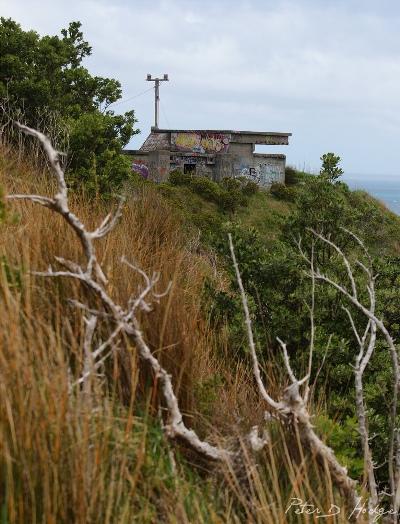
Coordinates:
[61,462]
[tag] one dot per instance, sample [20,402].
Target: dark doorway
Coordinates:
[189,169]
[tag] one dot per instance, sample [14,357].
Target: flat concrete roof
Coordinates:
[224,131]
[268,155]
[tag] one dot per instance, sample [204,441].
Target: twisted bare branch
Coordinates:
[126,323]
[293,406]
[366,344]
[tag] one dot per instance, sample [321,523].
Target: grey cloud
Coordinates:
[327,70]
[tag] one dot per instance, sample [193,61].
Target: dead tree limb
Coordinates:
[124,318]
[366,344]
[293,407]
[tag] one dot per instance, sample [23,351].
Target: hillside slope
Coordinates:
[62,462]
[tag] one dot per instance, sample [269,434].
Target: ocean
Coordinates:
[386,190]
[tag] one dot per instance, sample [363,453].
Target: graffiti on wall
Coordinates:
[276,140]
[181,160]
[264,174]
[249,172]
[201,142]
[140,167]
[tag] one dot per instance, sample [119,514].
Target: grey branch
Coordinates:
[293,406]
[366,346]
[92,277]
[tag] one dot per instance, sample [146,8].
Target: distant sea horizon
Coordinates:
[383,188]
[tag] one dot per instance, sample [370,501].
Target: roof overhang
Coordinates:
[240,137]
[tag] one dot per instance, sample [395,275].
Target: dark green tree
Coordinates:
[330,167]
[47,72]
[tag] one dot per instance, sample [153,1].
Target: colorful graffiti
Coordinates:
[251,173]
[140,167]
[263,174]
[180,160]
[201,142]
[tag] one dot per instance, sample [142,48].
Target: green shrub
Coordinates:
[250,188]
[229,194]
[44,75]
[283,192]
[344,438]
[230,201]
[330,167]
[232,184]
[206,188]
[12,274]
[177,178]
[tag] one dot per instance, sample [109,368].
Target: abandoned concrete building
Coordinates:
[216,154]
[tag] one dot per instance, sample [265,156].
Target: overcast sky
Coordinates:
[326,71]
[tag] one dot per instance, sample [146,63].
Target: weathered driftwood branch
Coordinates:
[124,318]
[293,406]
[366,343]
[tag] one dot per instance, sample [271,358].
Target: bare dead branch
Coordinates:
[256,367]
[293,406]
[125,320]
[362,359]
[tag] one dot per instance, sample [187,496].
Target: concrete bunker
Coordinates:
[212,153]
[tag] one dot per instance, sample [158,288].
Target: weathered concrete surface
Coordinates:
[264,169]
[216,154]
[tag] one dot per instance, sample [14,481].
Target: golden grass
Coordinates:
[63,463]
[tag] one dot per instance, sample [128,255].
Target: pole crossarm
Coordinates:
[157,95]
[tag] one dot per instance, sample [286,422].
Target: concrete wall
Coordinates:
[262,169]
[140,164]
[159,165]
[214,154]
[223,167]
[200,141]
[241,162]
[205,165]
[270,139]
[154,165]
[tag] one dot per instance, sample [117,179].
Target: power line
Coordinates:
[131,97]
[162,105]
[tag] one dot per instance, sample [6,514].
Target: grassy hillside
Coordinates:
[61,462]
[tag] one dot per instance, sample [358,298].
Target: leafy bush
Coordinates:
[206,188]
[232,195]
[178,178]
[250,188]
[13,275]
[344,438]
[230,201]
[330,167]
[97,163]
[232,184]
[283,192]
[229,194]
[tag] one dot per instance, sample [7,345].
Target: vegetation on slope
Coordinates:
[61,462]
[129,472]
[266,232]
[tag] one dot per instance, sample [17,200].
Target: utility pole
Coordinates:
[157,95]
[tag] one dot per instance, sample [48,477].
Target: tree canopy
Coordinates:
[47,72]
